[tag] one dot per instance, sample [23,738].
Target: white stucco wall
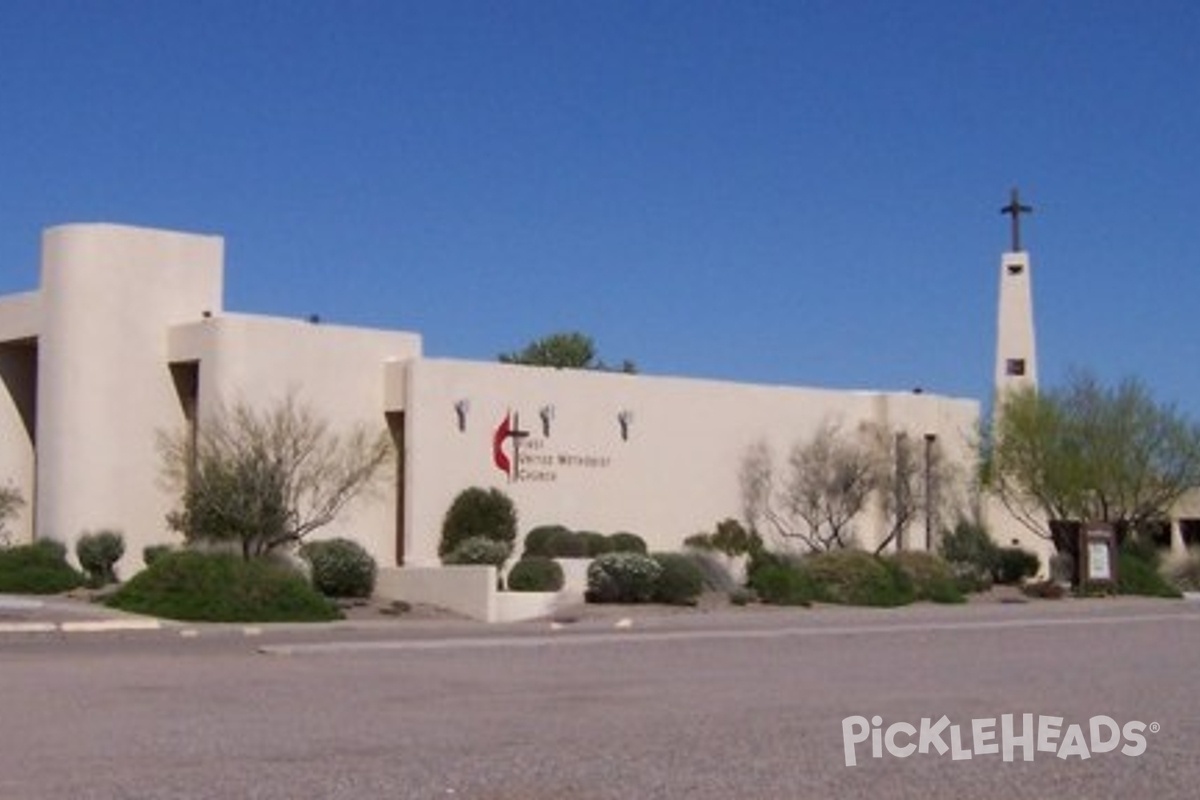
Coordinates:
[109,294]
[677,473]
[336,371]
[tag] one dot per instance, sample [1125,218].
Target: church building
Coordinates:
[126,338]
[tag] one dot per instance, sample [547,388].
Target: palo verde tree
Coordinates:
[830,479]
[569,350]
[817,498]
[266,479]
[1089,452]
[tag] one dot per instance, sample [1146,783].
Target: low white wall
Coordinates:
[466,590]
[520,606]
[574,575]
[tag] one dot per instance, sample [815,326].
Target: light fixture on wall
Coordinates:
[547,414]
[460,410]
[625,419]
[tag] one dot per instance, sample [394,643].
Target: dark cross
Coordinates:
[1014,209]
[516,434]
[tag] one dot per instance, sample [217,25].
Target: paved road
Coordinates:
[739,705]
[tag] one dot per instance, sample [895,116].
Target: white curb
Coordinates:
[105,625]
[28,627]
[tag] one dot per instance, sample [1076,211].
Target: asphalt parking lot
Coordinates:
[730,704]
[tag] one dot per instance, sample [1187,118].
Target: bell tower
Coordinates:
[1016,349]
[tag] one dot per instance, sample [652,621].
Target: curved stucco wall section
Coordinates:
[109,295]
[675,474]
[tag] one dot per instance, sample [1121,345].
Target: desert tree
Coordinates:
[820,494]
[567,350]
[267,478]
[1087,452]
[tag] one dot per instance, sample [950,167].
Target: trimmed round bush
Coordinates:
[222,587]
[783,584]
[480,550]
[340,567]
[538,540]
[568,544]
[594,544]
[857,578]
[98,554]
[680,582]
[622,578]
[932,578]
[478,513]
[1013,565]
[535,574]
[38,568]
[624,542]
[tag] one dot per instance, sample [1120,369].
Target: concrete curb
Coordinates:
[28,627]
[82,626]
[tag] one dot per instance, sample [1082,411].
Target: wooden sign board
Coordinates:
[1097,553]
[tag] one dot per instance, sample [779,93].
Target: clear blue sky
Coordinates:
[793,192]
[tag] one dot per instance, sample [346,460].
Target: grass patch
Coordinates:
[220,587]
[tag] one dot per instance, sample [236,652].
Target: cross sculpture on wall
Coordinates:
[1015,209]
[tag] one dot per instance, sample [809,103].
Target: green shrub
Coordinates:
[594,544]
[779,583]
[932,578]
[732,538]
[539,540]
[680,582]
[153,552]
[478,513]
[1184,574]
[568,544]
[1013,565]
[622,578]
[480,550]
[857,578]
[1137,574]
[699,541]
[38,568]
[340,567]
[968,543]
[98,554]
[535,574]
[623,542]
[222,587]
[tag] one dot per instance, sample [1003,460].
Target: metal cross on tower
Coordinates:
[1015,209]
